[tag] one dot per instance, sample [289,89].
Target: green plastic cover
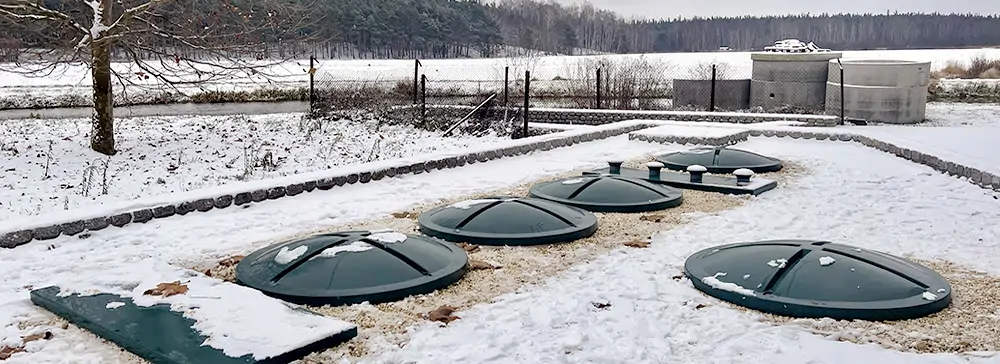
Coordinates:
[806,278]
[353,267]
[720,160]
[609,193]
[156,333]
[508,220]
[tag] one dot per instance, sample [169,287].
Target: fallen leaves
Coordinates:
[469,248]
[405,215]
[8,351]
[481,265]
[442,314]
[637,244]
[653,218]
[167,289]
[231,261]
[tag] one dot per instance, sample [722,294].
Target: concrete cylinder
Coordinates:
[885,91]
[790,80]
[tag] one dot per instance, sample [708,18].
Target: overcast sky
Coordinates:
[688,8]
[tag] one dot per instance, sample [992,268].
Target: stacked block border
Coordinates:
[19,238]
[683,140]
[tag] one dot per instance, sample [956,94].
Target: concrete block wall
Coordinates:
[12,239]
[690,140]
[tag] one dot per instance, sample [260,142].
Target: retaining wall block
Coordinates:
[160,212]
[365,177]
[204,205]
[97,223]
[46,232]
[184,208]
[72,228]
[223,201]
[258,195]
[275,193]
[339,181]
[352,178]
[294,189]
[121,220]
[308,186]
[16,239]
[142,216]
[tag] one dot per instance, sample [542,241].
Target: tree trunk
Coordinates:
[102,139]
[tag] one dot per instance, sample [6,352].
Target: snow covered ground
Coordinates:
[47,165]
[884,203]
[71,83]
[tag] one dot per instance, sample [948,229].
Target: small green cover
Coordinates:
[720,160]
[353,267]
[156,333]
[508,220]
[609,193]
[807,278]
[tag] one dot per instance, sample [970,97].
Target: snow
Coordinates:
[114,305]
[195,239]
[388,237]
[714,282]
[929,296]
[973,146]
[468,204]
[286,255]
[574,181]
[744,172]
[689,131]
[884,204]
[355,247]
[164,155]
[777,263]
[826,261]
[697,168]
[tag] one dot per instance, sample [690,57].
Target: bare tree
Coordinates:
[166,43]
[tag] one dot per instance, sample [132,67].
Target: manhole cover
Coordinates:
[720,160]
[609,193]
[353,267]
[508,220]
[805,278]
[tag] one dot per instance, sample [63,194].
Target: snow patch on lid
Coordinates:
[698,151]
[467,204]
[929,296]
[114,304]
[826,261]
[355,247]
[388,237]
[777,263]
[714,282]
[654,165]
[286,255]
[574,181]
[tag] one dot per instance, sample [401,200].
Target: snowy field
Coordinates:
[47,165]
[885,203]
[70,83]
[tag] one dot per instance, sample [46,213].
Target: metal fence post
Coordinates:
[312,83]
[416,78]
[711,96]
[527,97]
[423,98]
[506,85]
[598,87]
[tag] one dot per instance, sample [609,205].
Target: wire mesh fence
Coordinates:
[500,88]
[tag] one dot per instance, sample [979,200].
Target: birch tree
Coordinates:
[172,42]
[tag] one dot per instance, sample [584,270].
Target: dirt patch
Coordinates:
[970,323]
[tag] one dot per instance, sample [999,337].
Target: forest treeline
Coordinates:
[469,28]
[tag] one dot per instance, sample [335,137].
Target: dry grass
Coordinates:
[516,267]
[977,68]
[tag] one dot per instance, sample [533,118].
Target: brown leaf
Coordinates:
[167,289]
[481,265]
[637,244]
[700,306]
[404,215]
[442,314]
[231,261]
[8,351]
[208,272]
[678,277]
[601,305]
[653,218]
[469,248]
[35,337]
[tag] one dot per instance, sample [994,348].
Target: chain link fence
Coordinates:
[444,92]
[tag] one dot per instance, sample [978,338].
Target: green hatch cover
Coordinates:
[353,267]
[508,220]
[609,193]
[805,278]
[156,333]
[720,160]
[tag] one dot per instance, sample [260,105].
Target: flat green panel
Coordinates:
[156,333]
